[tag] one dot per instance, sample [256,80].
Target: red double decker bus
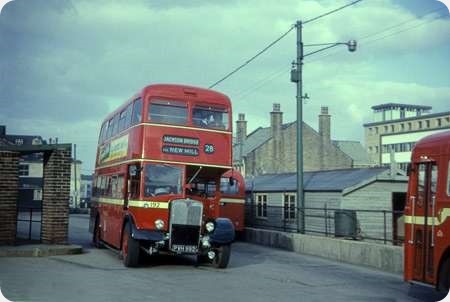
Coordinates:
[159,164]
[427,213]
[232,199]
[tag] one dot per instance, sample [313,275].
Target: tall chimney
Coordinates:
[324,124]
[241,128]
[276,121]
[241,135]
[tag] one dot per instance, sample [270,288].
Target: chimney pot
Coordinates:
[241,117]
[276,107]
[324,110]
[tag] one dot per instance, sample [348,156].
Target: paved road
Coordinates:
[255,274]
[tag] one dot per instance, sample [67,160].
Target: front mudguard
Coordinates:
[223,232]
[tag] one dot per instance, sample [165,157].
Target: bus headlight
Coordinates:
[159,224]
[209,226]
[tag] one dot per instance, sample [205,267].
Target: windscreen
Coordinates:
[162,180]
[209,117]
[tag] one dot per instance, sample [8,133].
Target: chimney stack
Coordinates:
[2,130]
[241,128]
[276,121]
[324,124]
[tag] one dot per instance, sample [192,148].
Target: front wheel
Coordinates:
[130,248]
[222,257]
[97,236]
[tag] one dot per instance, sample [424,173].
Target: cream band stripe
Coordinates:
[232,200]
[135,203]
[420,220]
[161,161]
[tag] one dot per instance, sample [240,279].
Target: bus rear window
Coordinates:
[209,117]
[168,112]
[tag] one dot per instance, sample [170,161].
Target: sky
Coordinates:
[65,64]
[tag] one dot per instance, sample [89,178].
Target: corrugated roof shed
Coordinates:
[328,181]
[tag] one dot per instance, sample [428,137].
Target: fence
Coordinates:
[359,224]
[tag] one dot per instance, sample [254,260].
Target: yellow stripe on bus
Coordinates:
[114,201]
[148,204]
[232,200]
[135,203]
[420,220]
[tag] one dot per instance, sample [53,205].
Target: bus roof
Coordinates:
[179,92]
[431,145]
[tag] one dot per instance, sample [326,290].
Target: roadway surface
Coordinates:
[255,273]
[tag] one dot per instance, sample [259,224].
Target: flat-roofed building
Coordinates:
[397,127]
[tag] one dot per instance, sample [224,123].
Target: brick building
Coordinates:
[273,149]
[397,127]
[34,185]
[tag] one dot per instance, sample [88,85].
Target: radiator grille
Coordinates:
[185,222]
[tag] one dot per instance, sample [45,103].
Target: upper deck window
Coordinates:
[210,117]
[137,111]
[168,112]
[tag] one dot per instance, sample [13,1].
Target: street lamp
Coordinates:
[296,77]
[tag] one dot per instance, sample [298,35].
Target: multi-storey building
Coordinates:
[397,127]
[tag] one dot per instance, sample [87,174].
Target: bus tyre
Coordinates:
[222,257]
[97,236]
[130,248]
[444,276]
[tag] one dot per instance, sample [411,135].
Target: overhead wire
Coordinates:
[276,41]
[259,84]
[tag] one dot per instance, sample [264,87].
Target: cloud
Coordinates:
[65,64]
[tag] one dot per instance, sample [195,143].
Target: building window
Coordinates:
[420,124]
[370,149]
[392,128]
[289,206]
[376,149]
[19,141]
[447,119]
[37,194]
[402,126]
[261,205]
[439,122]
[427,122]
[376,130]
[409,126]
[385,129]
[24,170]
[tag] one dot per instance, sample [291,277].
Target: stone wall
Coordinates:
[9,190]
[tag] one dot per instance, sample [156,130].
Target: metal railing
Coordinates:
[359,224]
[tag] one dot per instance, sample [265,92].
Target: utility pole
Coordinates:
[75,191]
[300,191]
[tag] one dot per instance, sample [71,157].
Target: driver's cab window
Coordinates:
[162,180]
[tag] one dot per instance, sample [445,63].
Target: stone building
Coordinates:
[397,127]
[273,149]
